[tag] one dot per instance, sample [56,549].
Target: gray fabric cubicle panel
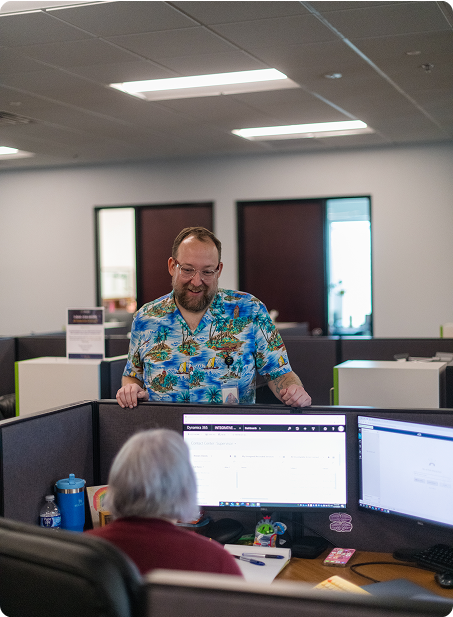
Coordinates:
[116,345]
[36,451]
[7,358]
[116,425]
[54,345]
[40,346]
[312,359]
[111,373]
[368,348]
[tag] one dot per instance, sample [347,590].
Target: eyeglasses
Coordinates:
[189,273]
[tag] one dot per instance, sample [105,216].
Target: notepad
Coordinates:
[260,574]
[337,583]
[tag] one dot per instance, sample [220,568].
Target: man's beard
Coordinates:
[194,305]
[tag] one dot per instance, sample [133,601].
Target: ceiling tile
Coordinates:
[277,32]
[173,43]
[113,18]
[389,18]
[34,28]
[231,12]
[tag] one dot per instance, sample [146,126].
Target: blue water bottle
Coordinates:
[71,501]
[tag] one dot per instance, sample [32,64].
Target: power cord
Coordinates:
[374,563]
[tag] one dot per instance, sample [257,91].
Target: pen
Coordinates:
[254,561]
[263,556]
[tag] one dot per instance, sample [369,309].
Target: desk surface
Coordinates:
[312,571]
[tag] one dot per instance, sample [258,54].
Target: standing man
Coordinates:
[202,344]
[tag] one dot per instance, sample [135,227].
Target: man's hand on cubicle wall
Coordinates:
[289,389]
[129,395]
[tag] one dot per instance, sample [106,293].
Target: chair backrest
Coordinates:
[48,573]
[188,594]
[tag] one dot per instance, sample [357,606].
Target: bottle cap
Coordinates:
[70,484]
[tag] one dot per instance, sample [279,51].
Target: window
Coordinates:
[349,266]
[116,254]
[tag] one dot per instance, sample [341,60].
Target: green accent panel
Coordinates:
[336,394]
[441,332]
[16,381]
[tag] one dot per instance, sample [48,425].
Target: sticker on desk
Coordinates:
[340,521]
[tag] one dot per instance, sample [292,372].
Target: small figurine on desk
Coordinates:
[268,533]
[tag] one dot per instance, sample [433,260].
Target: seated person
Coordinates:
[152,485]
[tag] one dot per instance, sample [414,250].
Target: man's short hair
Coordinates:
[200,233]
[152,477]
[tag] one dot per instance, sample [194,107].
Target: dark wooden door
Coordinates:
[157,227]
[282,258]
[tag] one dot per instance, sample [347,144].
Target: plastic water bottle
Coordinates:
[50,514]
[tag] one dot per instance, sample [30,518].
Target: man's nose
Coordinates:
[196,279]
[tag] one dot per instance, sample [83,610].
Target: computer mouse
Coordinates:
[444,579]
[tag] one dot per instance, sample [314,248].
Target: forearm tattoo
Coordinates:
[284,381]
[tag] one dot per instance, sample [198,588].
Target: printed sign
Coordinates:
[85,337]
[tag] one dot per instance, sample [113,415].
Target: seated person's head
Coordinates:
[151,476]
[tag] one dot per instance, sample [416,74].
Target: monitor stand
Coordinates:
[302,546]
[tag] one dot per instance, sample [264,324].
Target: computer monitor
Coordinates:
[268,462]
[405,469]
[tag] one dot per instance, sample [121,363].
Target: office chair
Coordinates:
[48,573]
[190,594]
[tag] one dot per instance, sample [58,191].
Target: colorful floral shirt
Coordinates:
[178,365]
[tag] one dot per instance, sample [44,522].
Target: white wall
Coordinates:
[47,259]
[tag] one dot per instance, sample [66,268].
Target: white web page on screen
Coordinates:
[268,459]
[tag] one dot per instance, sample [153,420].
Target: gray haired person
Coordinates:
[152,485]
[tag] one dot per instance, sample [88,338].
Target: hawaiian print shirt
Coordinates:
[178,365]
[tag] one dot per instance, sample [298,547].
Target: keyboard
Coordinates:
[438,558]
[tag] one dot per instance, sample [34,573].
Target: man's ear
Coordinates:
[220,268]
[171,266]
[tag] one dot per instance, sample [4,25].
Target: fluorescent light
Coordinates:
[207,85]
[5,150]
[300,131]
[13,153]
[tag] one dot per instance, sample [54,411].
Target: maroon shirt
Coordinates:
[154,543]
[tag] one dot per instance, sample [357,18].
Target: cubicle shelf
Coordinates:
[390,384]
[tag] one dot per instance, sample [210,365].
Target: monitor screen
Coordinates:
[405,468]
[268,461]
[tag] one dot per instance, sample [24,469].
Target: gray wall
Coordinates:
[47,225]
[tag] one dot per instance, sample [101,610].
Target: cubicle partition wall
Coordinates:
[83,439]
[313,359]
[368,348]
[40,345]
[111,372]
[54,345]
[116,425]
[116,345]
[36,451]
[369,530]
[7,355]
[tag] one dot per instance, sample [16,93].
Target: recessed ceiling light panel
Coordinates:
[303,131]
[13,153]
[207,85]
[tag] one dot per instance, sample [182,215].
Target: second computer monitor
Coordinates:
[405,469]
